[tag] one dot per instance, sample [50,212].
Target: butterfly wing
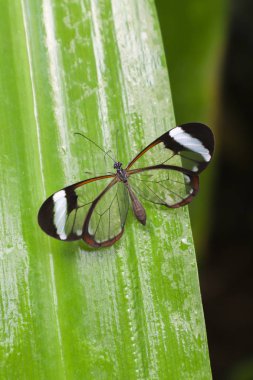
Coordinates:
[177,157]
[192,142]
[164,184]
[63,214]
[105,221]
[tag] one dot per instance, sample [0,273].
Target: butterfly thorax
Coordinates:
[121,173]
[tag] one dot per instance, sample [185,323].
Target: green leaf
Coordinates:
[132,311]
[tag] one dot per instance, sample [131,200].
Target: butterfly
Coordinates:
[96,209]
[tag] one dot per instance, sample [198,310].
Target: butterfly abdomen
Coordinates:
[138,209]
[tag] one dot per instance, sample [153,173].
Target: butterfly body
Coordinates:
[95,209]
[138,208]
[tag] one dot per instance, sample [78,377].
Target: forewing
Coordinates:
[63,214]
[193,142]
[164,185]
[106,218]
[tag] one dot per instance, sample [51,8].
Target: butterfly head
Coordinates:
[117,165]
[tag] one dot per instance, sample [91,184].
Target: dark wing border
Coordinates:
[46,211]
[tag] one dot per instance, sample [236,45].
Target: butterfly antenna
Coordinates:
[117,142]
[99,147]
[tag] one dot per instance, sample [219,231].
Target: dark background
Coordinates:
[209,51]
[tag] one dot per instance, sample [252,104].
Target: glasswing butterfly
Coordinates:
[96,209]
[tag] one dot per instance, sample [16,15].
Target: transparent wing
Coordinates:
[106,218]
[164,184]
[192,142]
[63,214]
